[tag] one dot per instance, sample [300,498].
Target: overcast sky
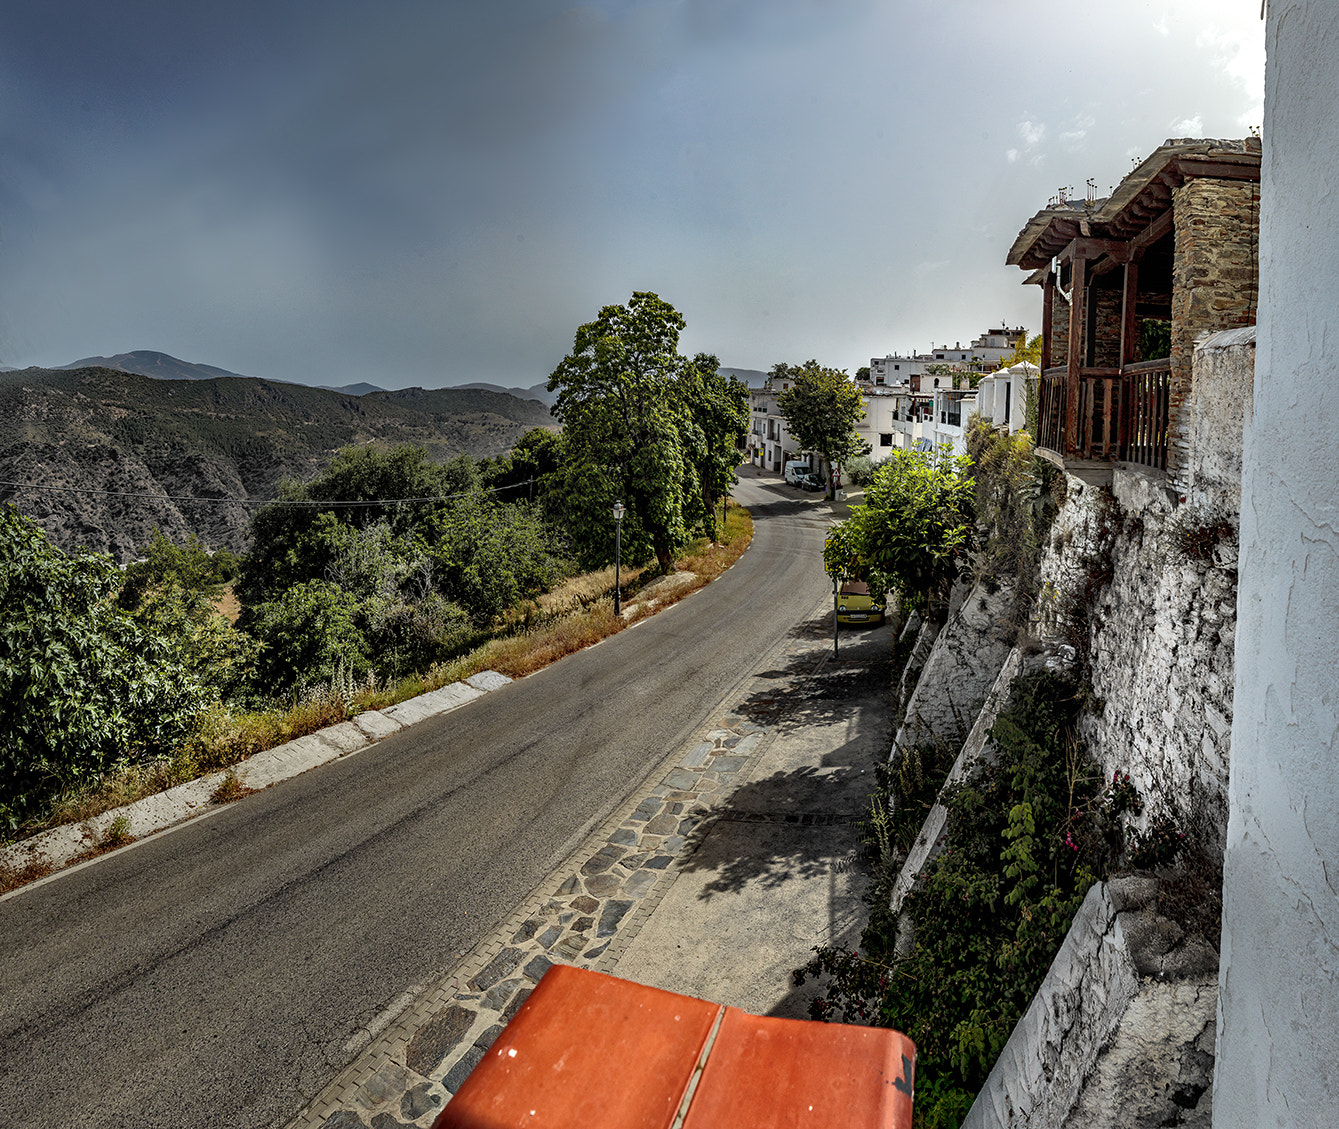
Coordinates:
[411,192]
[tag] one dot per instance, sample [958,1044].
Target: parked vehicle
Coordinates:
[794,469]
[856,605]
[810,481]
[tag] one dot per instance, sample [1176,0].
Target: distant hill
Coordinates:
[226,438]
[147,362]
[360,389]
[751,376]
[538,392]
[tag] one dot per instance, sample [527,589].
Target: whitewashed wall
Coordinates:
[1278,1033]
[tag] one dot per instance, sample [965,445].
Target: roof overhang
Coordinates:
[1137,203]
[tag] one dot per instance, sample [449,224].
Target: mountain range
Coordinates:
[164,366]
[96,439]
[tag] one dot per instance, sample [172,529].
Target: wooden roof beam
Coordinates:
[1151,234]
[1094,249]
[1219,170]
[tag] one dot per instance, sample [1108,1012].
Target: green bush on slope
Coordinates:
[82,686]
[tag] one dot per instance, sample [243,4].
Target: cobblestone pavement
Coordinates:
[587,914]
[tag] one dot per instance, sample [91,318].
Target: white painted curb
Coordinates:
[57,847]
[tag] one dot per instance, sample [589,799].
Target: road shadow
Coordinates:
[752,840]
[815,689]
[784,506]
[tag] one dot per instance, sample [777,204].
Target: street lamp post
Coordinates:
[836,623]
[619,511]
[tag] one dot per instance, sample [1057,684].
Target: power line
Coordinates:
[261,501]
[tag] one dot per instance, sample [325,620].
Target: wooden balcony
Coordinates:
[1105,416]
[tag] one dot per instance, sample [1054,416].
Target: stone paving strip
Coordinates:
[62,845]
[587,918]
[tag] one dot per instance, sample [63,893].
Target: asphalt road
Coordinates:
[215,975]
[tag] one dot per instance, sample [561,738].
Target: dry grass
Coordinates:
[229,788]
[228,605]
[573,616]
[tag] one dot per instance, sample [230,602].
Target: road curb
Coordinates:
[55,850]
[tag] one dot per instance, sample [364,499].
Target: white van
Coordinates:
[794,469]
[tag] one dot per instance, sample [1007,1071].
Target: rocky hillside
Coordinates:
[99,434]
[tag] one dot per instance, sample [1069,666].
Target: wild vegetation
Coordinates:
[1027,834]
[1029,829]
[386,574]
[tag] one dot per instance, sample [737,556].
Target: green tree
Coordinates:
[821,408]
[1026,349]
[486,555]
[718,410]
[83,688]
[294,542]
[640,425]
[519,474]
[912,534]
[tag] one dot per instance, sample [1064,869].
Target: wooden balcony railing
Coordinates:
[1051,402]
[1122,414]
[1144,438]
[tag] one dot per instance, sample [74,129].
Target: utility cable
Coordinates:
[261,501]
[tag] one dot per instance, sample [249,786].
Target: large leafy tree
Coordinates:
[821,408]
[642,425]
[914,530]
[718,417]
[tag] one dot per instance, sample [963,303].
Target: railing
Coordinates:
[1147,387]
[1052,399]
[1099,412]
[1122,413]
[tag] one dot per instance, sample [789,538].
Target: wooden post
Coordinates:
[1078,301]
[1129,352]
[1047,319]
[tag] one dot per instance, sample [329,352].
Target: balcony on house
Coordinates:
[1130,283]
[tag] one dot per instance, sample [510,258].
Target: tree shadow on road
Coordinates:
[799,824]
[815,689]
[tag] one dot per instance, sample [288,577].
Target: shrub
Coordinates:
[860,470]
[83,688]
[309,633]
[1025,838]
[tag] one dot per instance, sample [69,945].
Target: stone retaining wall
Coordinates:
[1121,1031]
[960,668]
[1143,581]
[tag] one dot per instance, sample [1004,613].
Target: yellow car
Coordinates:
[856,605]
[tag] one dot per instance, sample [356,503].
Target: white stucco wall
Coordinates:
[1278,1027]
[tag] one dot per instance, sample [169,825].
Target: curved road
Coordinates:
[214,975]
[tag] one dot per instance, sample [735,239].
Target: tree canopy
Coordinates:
[821,408]
[912,534]
[645,426]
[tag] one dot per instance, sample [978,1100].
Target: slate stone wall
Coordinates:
[1215,284]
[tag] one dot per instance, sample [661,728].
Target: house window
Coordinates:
[885,439]
[896,367]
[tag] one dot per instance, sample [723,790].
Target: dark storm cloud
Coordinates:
[415,192]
